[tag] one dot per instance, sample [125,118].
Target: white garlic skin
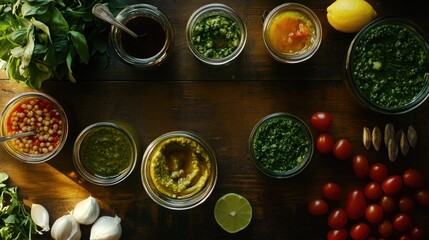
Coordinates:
[106,228]
[40,216]
[86,211]
[66,228]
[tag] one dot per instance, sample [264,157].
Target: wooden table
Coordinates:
[222,104]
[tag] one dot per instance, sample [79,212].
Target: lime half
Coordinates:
[233,212]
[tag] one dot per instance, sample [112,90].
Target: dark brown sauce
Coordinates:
[147,45]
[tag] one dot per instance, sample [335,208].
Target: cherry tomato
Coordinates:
[402,222]
[322,121]
[318,207]
[406,204]
[392,185]
[331,191]
[422,197]
[355,204]
[388,204]
[413,178]
[360,231]
[342,149]
[360,166]
[325,143]
[385,228]
[404,237]
[416,233]
[373,190]
[374,213]
[337,218]
[378,172]
[337,234]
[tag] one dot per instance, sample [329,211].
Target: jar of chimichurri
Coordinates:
[215,34]
[281,145]
[388,66]
[105,153]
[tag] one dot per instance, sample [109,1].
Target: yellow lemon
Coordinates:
[350,15]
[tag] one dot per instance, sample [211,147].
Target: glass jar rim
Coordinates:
[301,56]
[210,10]
[31,158]
[150,11]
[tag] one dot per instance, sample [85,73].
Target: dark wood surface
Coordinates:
[222,104]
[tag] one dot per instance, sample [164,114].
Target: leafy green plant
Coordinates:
[15,221]
[44,39]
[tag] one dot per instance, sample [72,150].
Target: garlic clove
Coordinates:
[66,228]
[86,211]
[40,216]
[106,228]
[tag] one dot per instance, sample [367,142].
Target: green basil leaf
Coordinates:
[41,26]
[80,45]
[3,177]
[19,36]
[69,61]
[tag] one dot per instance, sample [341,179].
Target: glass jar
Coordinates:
[179,170]
[156,36]
[304,21]
[216,10]
[39,112]
[105,153]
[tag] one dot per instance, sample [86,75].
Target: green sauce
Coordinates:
[106,152]
[216,36]
[281,144]
[390,65]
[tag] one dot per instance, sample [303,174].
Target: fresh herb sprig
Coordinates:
[15,221]
[44,39]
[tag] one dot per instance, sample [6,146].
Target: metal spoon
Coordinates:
[18,135]
[102,12]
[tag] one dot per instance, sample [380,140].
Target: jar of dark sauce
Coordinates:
[155,41]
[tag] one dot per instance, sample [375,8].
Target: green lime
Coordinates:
[233,212]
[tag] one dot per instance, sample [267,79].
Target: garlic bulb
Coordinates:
[66,228]
[106,228]
[86,211]
[40,216]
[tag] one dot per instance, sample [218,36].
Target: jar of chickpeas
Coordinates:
[40,113]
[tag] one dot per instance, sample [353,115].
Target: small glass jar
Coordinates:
[306,31]
[156,36]
[288,146]
[39,112]
[226,54]
[179,170]
[105,153]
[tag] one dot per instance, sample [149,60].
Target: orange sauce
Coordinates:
[291,32]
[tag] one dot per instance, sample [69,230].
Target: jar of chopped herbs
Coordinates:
[281,145]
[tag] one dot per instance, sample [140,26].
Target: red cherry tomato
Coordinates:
[385,228]
[392,185]
[318,207]
[416,233]
[404,237]
[331,191]
[322,121]
[337,234]
[342,149]
[325,143]
[413,178]
[337,218]
[422,197]
[402,222]
[374,213]
[378,172]
[355,204]
[406,204]
[360,231]
[360,166]
[388,204]
[373,190]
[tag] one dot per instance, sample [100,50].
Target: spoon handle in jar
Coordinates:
[18,135]
[102,11]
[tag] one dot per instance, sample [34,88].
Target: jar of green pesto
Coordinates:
[281,145]
[105,153]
